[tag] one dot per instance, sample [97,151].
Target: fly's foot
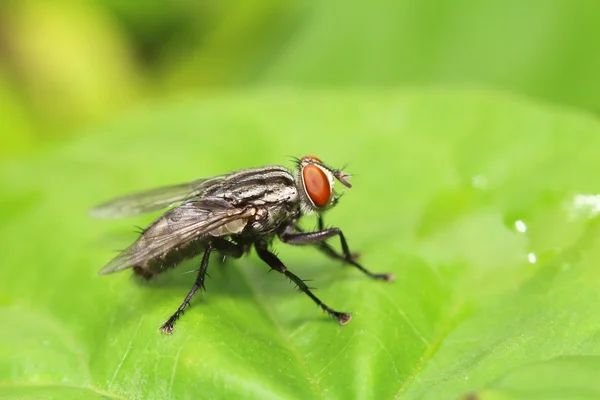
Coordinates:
[167,328]
[385,277]
[342,317]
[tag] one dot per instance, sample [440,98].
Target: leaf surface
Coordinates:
[484,206]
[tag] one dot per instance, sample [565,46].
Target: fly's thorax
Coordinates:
[257,186]
[274,216]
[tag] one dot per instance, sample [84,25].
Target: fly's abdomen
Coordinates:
[171,259]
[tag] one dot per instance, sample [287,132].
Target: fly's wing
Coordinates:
[153,200]
[178,227]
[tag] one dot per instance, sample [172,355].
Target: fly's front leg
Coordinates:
[167,327]
[276,264]
[304,238]
[325,248]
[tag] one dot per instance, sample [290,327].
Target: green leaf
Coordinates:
[484,207]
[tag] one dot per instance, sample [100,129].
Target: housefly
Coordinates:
[229,214]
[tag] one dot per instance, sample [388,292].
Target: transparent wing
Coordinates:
[178,227]
[152,200]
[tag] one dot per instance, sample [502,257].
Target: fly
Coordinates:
[229,214]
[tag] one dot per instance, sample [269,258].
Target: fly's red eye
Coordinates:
[313,158]
[317,185]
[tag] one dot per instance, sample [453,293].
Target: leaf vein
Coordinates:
[126,353]
[175,363]
[431,349]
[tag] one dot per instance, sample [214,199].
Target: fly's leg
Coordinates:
[304,238]
[325,248]
[276,264]
[226,248]
[167,327]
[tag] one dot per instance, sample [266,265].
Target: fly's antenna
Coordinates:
[342,177]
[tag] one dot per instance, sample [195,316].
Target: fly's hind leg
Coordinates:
[167,327]
[224,247]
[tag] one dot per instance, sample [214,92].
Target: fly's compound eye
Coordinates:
[312,158]
[317,185]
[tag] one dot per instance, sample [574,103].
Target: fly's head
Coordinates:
[315,181]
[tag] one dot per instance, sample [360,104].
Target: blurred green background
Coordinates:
[66,65]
